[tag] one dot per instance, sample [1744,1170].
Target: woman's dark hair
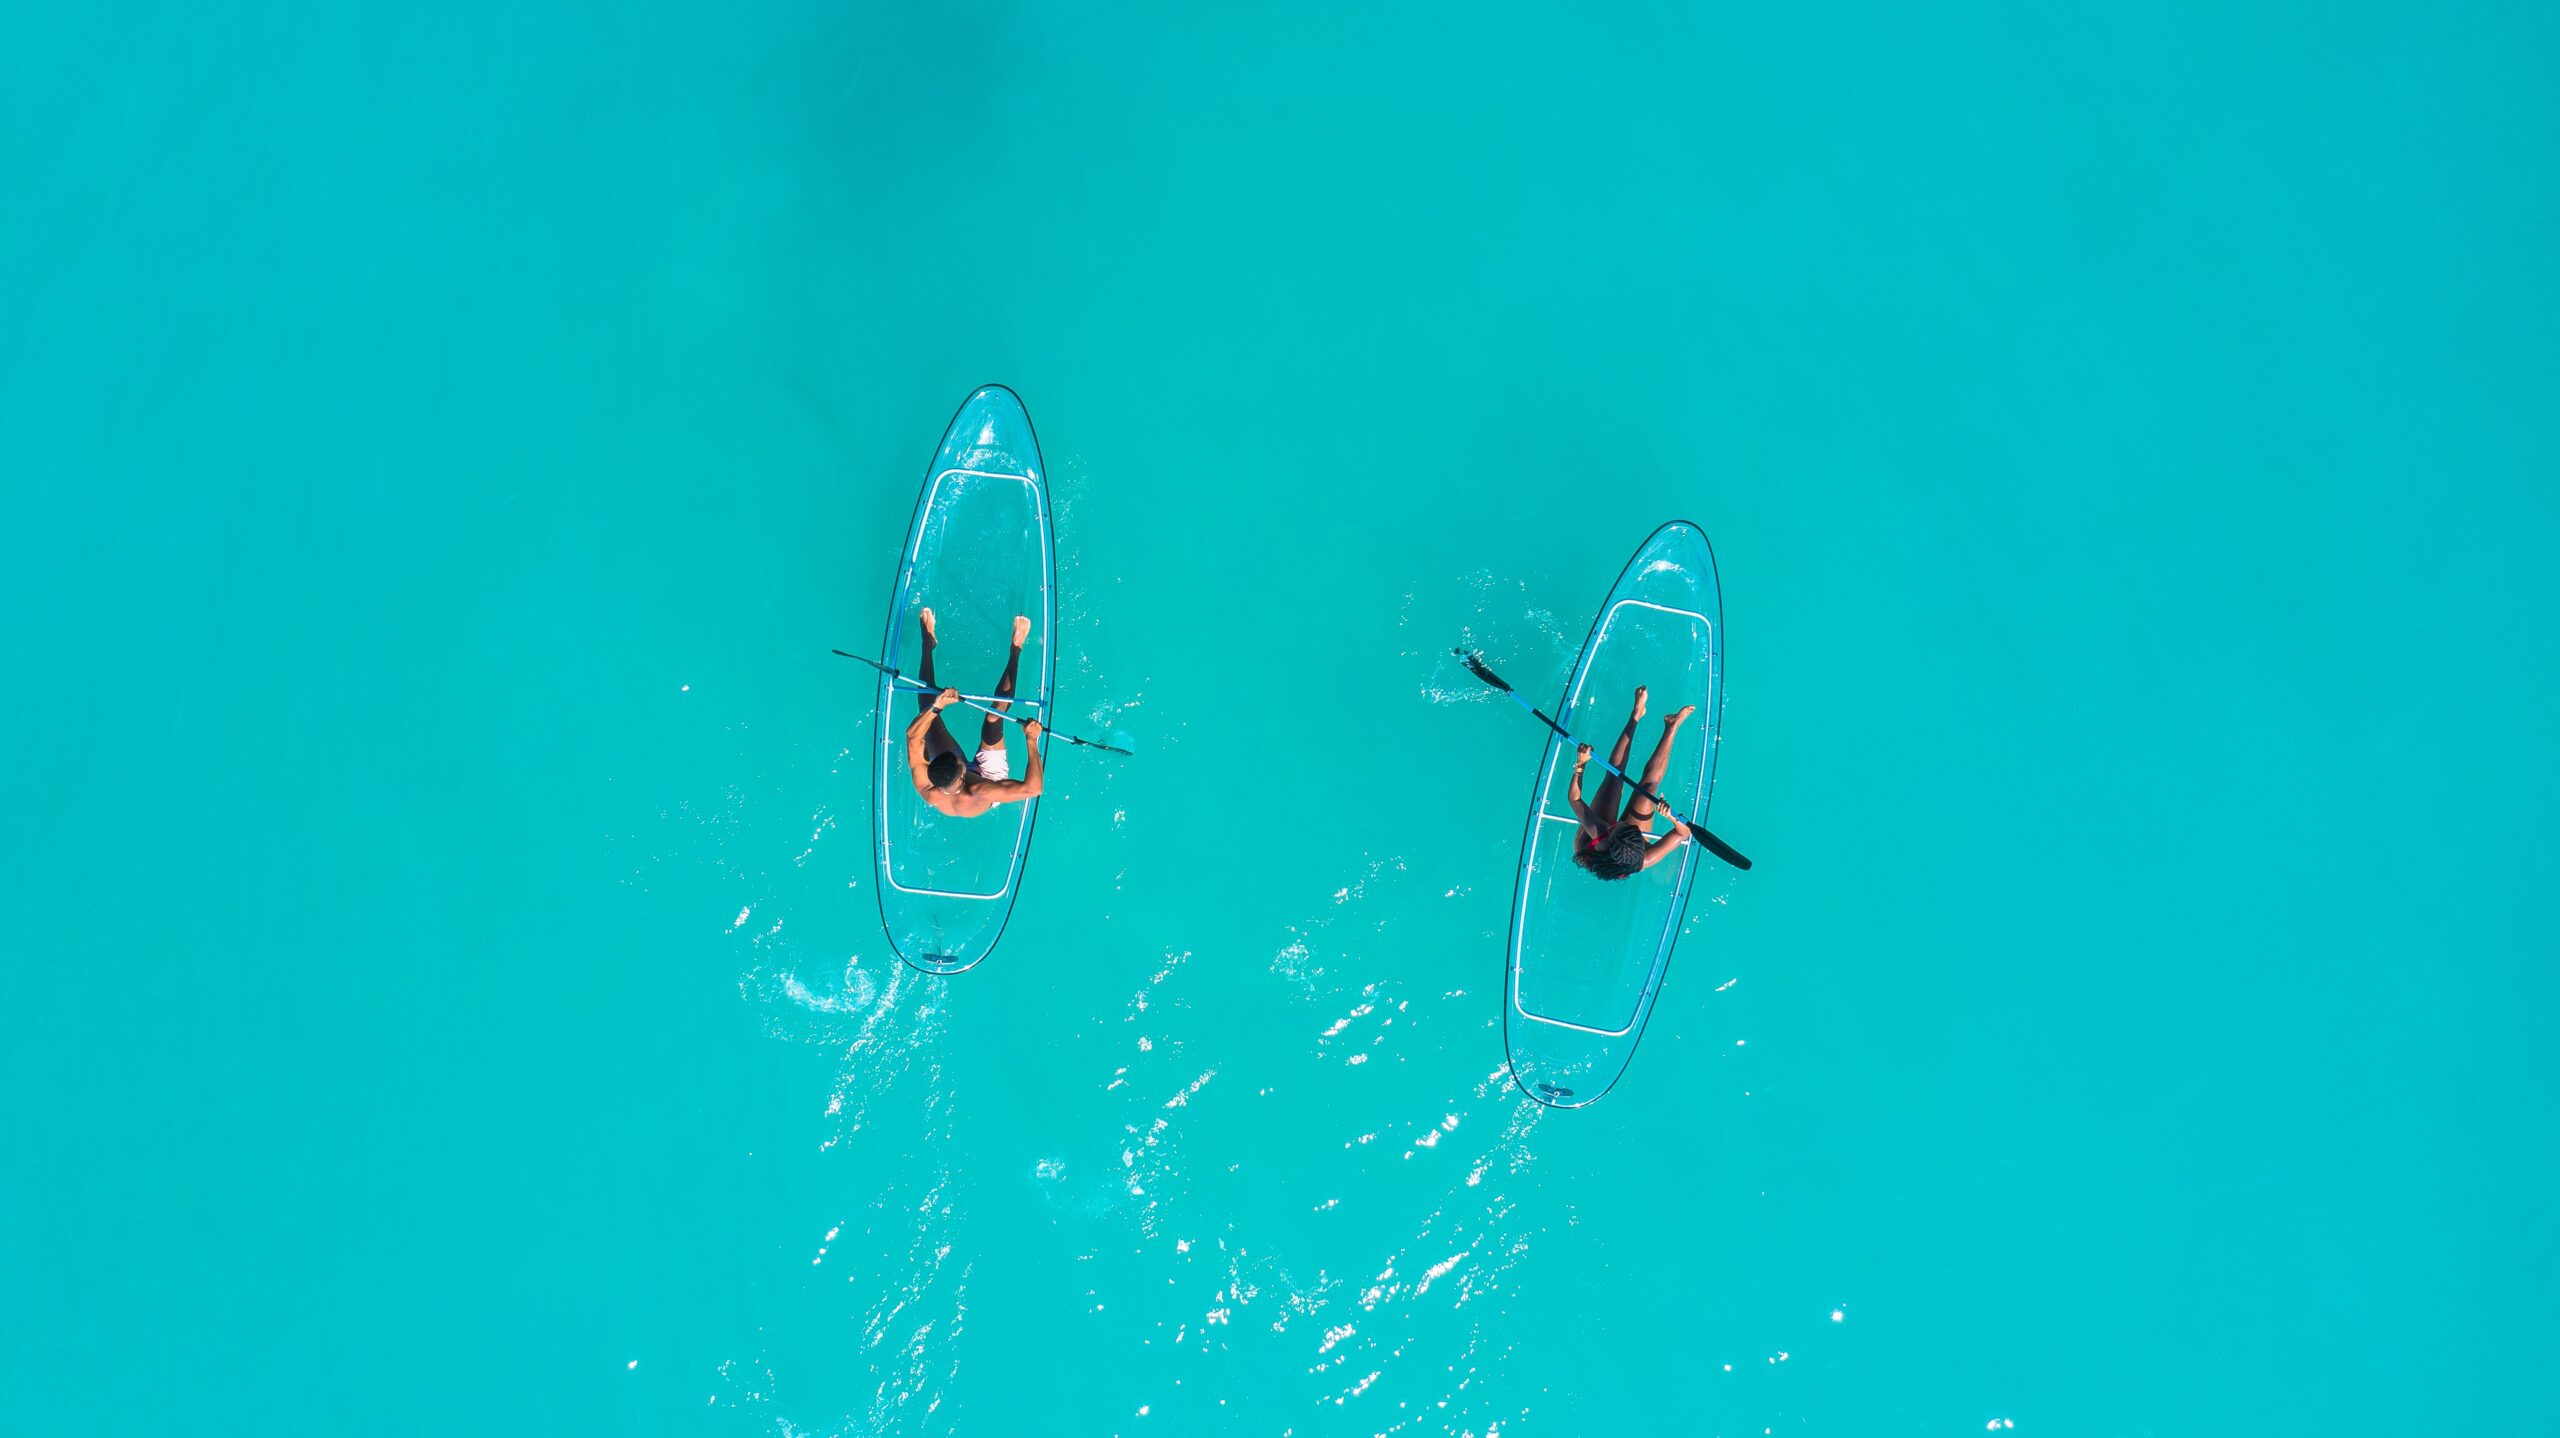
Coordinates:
[1620,855]
[1630,846]
[945,769]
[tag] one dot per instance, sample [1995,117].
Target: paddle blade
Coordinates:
[1719,847]
[1477,667]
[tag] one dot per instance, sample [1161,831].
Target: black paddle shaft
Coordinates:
[981,708]
[1714,845]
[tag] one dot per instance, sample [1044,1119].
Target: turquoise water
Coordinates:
[440,449]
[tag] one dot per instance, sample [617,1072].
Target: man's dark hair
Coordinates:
[945,769]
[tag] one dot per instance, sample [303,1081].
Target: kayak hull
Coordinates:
[1588,955]
[979,551]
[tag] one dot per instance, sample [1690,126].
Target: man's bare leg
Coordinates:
[991,733]
[924,665]
[1659,765]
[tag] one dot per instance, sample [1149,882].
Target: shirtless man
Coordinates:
[966,788]
[1612,844]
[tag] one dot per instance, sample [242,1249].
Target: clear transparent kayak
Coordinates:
[978,553]
[1588,954]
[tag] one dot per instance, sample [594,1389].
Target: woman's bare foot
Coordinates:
[1676,720]
[1021,629]
[1639,710]
[924,617]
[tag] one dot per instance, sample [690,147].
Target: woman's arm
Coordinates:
[1654,851]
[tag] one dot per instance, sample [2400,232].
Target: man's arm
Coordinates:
[1010,791]
[916,730]
[1031,732]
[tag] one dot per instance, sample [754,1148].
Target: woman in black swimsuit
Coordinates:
[1615,844]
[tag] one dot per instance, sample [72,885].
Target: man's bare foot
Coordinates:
[924,617]
[1021,629]
[1676,720]
[1639,712]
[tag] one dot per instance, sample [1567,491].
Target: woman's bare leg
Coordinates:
[1660,764]
[1605,803]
